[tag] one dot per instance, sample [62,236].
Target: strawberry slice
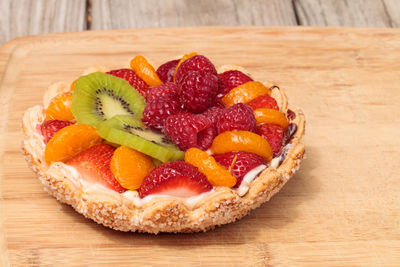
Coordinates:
[94,165]
[273,134]
[49,128]
[239,162]
[132,78]
[176,178]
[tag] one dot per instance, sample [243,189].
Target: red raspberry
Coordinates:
[195,63]
[231,79]
[132,78]
[244,163]
[166,71]
[263,101]
[158,110]
[164,89]
[273,134]
[49,128]
[176,178]
[237,117]
[197,90]
[213,114]
[188,130]
[218,103]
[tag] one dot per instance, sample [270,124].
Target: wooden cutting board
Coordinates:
[340,209]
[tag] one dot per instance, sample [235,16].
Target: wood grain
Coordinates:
[27,17]
[341,207]
[354,13]
[393,10]
[117,14]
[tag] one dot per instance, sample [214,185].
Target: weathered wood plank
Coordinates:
[393,11]
[26,17]
[355,13]
[115,14]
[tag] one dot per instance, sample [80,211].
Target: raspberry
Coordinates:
[273,134]
[194,63]
[176,178]
[49,128]
[213,114]
[166,71]
[263,101]
[188,130]
[230,79]
[218,103]
[164,89]
[240,166]
[237,117]
[132,78]
[197,90]
[157,111]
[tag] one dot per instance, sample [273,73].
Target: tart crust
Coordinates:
[169,214]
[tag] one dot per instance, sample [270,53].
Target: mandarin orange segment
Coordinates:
[216,174]
[130,167]
[266,115]
[245,93]
[187,56]
[145,71]
[72,87]
[242,141]
[69,142]
[60,108]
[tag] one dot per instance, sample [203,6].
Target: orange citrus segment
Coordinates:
[242,141]
[130,167]
[145,71]
[69,142]
[245,93]
[60,108]
[266,115]
[72,87]
[187,56]
[216,174]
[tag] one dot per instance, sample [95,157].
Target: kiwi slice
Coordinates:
[129,131]
[98,97]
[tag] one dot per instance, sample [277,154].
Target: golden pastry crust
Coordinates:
[222,205]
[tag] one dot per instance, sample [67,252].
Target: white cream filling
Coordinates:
[275,161]
[190,202]
[248,178]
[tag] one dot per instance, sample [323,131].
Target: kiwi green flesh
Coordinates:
[129,131]
[98,97]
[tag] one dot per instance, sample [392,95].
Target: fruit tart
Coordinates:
[183,148]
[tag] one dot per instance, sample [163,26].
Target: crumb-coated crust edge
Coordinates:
[220,207]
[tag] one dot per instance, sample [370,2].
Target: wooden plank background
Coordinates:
[27,17]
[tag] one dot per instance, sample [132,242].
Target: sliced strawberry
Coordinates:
[132,78]
[231,79]
[263,101]
[176,178]
[273,134]
[94,165]
[49,128]
[239,162]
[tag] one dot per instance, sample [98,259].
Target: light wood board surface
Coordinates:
[340,209]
